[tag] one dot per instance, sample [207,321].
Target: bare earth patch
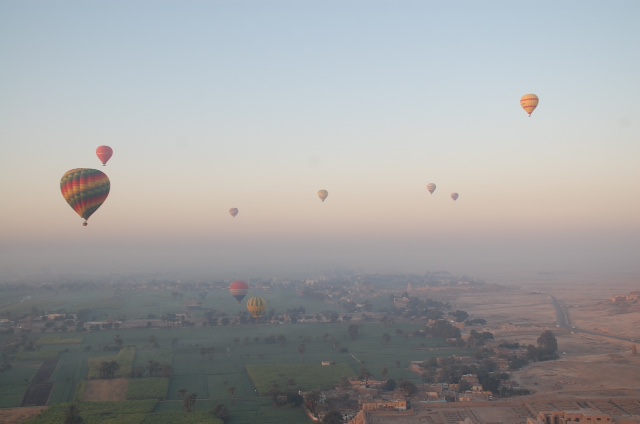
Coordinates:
[106,390]
[20,415]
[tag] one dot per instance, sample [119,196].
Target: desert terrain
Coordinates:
[596,371]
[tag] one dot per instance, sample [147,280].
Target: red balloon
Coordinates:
[104,153]
[239,290]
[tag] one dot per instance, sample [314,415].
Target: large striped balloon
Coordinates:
[85,190]
[529,102]
[256,306]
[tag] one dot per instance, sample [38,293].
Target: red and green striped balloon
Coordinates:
[85,190]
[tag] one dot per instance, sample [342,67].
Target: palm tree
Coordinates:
[72,415]
[191,402]
[232,392]
[301,349]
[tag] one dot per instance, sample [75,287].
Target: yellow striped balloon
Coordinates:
[256,306]
[529,103]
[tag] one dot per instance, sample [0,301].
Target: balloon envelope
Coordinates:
[233,212]
[85,190]
[104,153]
[239,290]
[529,103]
[322,194]
[431,187]
[256,306]
[454,196]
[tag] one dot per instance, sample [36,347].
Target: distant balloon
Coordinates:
[85,190]
[256,306]
[322,194]
[529,103]
[431,187]
[239,290]
[454,196]
[104,153]
[233,212]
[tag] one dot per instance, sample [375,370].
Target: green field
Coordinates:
[236,365]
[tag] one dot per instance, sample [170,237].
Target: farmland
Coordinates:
[235,365]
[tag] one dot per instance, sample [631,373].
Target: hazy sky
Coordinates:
[257,105]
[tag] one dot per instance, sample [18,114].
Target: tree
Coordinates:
[547,343]
[311,400]
[385,372]
[108,369]
[390,385]
[301,350]
[232,392]
[153,341]
[188,399]
[118,340]
[72,415]
[221,412]
[332,417]
[191,401]
[408,388]
[354,331]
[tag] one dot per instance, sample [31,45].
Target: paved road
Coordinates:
[563,320]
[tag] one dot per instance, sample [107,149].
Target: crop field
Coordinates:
[147,388]
[299,377]
[236,365]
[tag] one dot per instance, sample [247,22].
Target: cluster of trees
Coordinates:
[154,368]
[477,339]
[109,369]
[545,350]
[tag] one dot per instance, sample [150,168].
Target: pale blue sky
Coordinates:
[258,104]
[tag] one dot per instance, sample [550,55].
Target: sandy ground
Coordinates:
[599,369]
[20,415]
[106,390]
[588,364]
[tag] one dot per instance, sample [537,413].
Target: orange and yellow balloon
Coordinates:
[322,194]
[256,306]
[529,102]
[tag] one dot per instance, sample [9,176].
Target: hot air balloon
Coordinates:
[85,190]
[454,196]
[233,212]
[431,187]
[322,194]
[239,290]
[104,153]
[256,306]
[529,103]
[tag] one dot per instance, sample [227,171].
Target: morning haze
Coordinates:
[256,108]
